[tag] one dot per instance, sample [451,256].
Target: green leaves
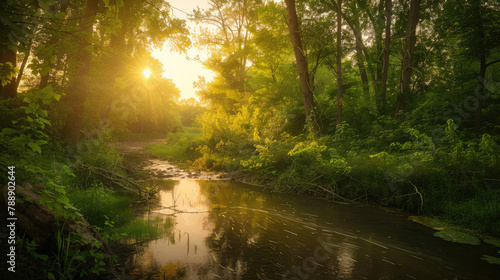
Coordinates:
[54,197]
[30,131]
[45,4]
[35,147]
[7,73]
[9,131]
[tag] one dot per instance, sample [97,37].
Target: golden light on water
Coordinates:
[146,73]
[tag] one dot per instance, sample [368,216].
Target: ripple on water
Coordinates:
[233,231]
[227,230]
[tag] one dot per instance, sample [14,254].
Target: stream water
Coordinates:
[215,229]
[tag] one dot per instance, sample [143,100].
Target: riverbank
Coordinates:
[429,189]
[215,220]
[271,183]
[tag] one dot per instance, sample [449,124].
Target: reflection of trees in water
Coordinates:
[241,234]
[150,227]
[149,268]
[153,201]
[256,237]
[251,236]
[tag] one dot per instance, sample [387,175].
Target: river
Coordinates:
[216,229]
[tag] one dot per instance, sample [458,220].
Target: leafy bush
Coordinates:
[179,145]
[481,212]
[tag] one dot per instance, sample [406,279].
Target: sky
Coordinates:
[175,65]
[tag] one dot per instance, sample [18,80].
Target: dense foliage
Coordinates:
[389,102]
[72,81]
[431,148]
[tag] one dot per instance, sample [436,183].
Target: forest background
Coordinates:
[394,102]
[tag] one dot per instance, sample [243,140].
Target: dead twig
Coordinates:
[115,178]
[421,197]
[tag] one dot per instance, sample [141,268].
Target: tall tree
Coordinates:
[360,49]
[17,26]
[226,33]
[476,25]
[76,91]
[354,19]
[136,26]
[387,47]
[339,62]
[269,38]
[305,87]
[406,64]
[229,37]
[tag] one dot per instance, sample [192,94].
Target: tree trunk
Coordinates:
[339,62]
[482,68]
[361,66]
[378,38]
[44,81]
[374,61]
[406,66]
[23,65]
[479,108]
[387,46]
[77,89]
[360,51]
[305,88]
[10,89]
[115,59]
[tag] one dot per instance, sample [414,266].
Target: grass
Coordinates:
[478,212]
[491,259]
[493,241]
[458,237]
[148,228]
[130,136]
[100,206]
[179,146]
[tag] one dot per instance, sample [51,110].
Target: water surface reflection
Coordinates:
[227,230]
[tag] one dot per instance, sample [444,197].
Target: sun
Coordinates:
[146,73]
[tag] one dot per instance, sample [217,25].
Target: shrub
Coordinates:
[179,145]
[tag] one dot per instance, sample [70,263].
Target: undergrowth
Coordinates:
[100,206]
[453,177]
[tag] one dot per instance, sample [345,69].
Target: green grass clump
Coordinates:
[100,205]
[131,136]
[179,146]
[491,259]
[493,241]
[477,212]
[458,237]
